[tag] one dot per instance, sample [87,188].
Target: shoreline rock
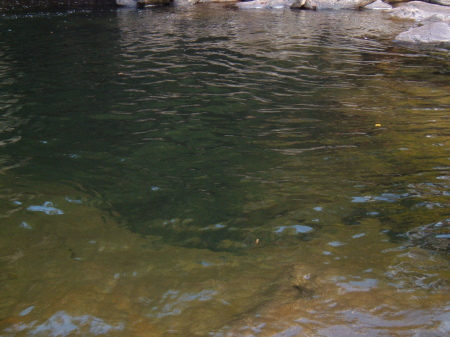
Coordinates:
[433,33]
[432,27]
[420,11]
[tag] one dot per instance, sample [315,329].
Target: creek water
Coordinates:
[210,172]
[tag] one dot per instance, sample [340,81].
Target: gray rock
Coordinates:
[421,11]
[435,33]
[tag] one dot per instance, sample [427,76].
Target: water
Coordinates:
[210,172]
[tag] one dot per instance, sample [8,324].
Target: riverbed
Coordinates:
[204,171]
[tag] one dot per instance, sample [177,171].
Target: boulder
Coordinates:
[432,33]
[421,11]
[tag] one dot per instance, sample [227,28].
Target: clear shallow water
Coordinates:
[197,172]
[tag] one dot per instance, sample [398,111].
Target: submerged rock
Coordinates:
[435,236]
[300,283]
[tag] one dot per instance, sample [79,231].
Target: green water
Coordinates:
[210,172]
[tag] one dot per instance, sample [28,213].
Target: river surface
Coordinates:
[207,172]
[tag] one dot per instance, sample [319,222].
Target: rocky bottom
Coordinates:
[74,271]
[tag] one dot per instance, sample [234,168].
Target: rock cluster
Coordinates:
[431,19]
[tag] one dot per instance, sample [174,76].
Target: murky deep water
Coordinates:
[201,172]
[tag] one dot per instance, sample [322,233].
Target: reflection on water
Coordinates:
[202,172]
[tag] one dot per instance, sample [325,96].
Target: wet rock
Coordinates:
[303,282]
[421,11]
[434,33]
[435,236]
